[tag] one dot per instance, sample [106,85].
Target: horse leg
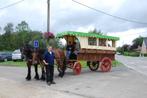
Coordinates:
[36,72]
[60,67]
[29,72]
[43,74]
[61,72]
[63,68]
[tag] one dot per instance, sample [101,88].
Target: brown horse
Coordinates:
[35,57]
[60,61]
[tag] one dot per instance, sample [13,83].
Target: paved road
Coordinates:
[121,82]
[138,64]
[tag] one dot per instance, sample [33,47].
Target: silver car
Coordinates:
[17,55]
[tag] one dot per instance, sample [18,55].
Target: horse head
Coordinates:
[27,51]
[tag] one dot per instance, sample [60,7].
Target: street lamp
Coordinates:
[48,15]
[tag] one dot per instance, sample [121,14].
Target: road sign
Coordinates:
[36,43]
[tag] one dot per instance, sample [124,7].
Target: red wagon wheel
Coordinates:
[77,68]
[106,64]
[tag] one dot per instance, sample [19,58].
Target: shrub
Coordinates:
[134,54]
[145,55]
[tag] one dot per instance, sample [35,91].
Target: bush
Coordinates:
[134,54]
[145,55]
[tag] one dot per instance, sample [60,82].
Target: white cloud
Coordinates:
[67,15]
[2,13]
[86,28]
[126,37]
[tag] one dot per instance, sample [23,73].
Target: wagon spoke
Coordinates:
[77,68]
[106,64]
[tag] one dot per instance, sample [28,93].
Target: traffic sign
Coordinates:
[36,43]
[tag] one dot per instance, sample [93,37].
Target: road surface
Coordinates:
[121,82]
[138,64]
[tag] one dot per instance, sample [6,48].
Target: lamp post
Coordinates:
[48,15]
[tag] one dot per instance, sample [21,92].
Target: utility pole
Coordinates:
[48,15]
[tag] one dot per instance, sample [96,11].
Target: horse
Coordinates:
[35,57]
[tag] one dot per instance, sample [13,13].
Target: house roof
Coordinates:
[84,34]
[145,40]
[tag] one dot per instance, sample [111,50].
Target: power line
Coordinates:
[117,17]
[15,3]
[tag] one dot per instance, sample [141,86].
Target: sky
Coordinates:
[67,15]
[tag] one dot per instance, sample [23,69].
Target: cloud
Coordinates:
[67,15]
[126,37]
[70,16]
[2,13]
[32,13]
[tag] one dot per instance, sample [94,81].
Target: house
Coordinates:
[144,47]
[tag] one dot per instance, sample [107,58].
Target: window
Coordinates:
[109,43]
[92,41]
[102,42]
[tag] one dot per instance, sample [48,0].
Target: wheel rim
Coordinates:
[106,65]
[77,68]
[93,66]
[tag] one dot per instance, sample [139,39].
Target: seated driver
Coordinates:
[69,48]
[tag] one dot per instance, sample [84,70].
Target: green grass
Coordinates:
[116,63]
[23,63]
[84,64]
[12,63]
[132,53]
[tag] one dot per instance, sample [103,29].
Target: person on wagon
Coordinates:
[69,48]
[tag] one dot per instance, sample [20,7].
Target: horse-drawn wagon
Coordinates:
[97,50]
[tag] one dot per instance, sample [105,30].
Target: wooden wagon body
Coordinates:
[97,50]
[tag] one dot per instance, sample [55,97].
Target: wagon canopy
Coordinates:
[82,34]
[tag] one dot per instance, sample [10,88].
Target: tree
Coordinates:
[8,28]
[23,27]
[120,50]
[126,47]
[137,42]
[95,31]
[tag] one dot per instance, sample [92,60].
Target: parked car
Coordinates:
[17,55]
[5,56]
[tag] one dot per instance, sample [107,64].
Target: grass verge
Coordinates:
[23,63]
[116,63]
[12,63]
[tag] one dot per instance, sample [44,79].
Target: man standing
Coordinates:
[49,62]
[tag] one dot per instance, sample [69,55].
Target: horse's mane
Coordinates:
[27,50]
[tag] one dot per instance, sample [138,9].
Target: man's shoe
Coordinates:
[53,82]
[48,83]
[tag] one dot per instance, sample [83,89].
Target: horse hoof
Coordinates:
[28,78]
[36,77]
[60,75]
[42,78]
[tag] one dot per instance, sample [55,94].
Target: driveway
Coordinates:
[121,82]
[138,64]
